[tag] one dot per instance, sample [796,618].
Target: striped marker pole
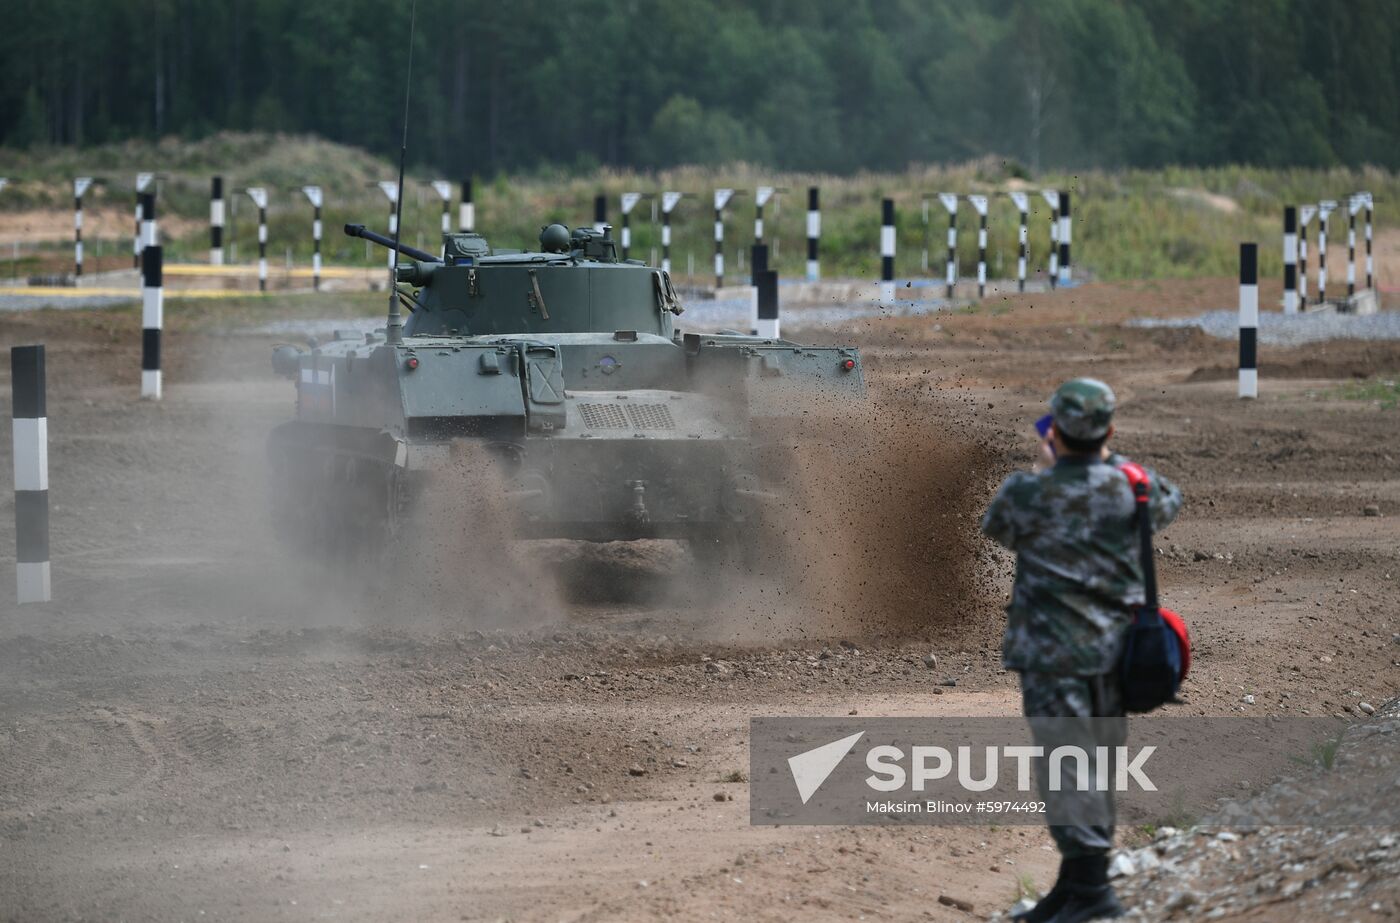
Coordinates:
[600,213]
[1249,320]
[313,195]
[950,203]
[979,204]
[629,202]
[814,233]
[1353,206]
[31,462]
[216,221]
[758,264]
[669,201]
[466,212]
[1305,216]
[1023,237]
[152,319]
[766,283]
[887,240]
[923,260]
[259,196]
[1052,198]
[1324,209]
[150,235]
[80,186]
[1065,237]
[391,192]
[444,190]
[1290,259]
[760,199]
[143,182]
[1370,205]
[722,197]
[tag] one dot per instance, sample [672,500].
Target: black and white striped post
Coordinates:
[1066,236]
[1249,320]
[1324,209]
[979,204]
[216,221]
[313,195]
[259,196]
[391,192]
[669,201]
[1370,207]
[143,182]
[1290,259]
[1023,239]
[31,462]
[600,213]
[722,197]
[758,270]
[1052,198]
[80,186]
[814,233]
[766,284]
[1305,216]
[466,212]
[628,202]
[444,190]
[950,203]
[887,242]
[1354,204]
[760,198]
[924,219]
[150,234]
[152,319]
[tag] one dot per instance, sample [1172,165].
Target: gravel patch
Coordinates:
[1289,329]
[35,302]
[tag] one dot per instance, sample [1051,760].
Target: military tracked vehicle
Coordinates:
[564,371]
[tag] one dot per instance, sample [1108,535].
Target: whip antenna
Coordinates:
[394,330]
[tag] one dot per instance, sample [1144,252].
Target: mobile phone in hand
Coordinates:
[1042,426]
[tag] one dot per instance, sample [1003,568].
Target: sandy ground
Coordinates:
[201,728]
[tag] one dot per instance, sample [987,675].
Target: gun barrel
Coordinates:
[359,230]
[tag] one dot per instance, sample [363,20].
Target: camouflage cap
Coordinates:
[1083,408]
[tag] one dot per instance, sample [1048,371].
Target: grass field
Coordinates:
[1133,224]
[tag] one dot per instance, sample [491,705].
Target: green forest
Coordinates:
[835,86]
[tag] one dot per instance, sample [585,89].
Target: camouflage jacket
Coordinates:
[1078,572]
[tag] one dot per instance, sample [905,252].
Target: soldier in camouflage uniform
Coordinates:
[1078,577]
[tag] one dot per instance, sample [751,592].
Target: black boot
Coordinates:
[1050,904]
[1088,894]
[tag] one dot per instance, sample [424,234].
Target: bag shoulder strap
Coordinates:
[1138,479]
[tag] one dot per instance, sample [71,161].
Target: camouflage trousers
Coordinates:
[1085,712]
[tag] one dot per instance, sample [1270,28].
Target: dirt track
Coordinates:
[199,726]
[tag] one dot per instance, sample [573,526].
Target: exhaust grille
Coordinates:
[650,416]
[626,416]
[602,416]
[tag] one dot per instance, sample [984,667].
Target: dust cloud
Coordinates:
[869,531]
[874,530]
